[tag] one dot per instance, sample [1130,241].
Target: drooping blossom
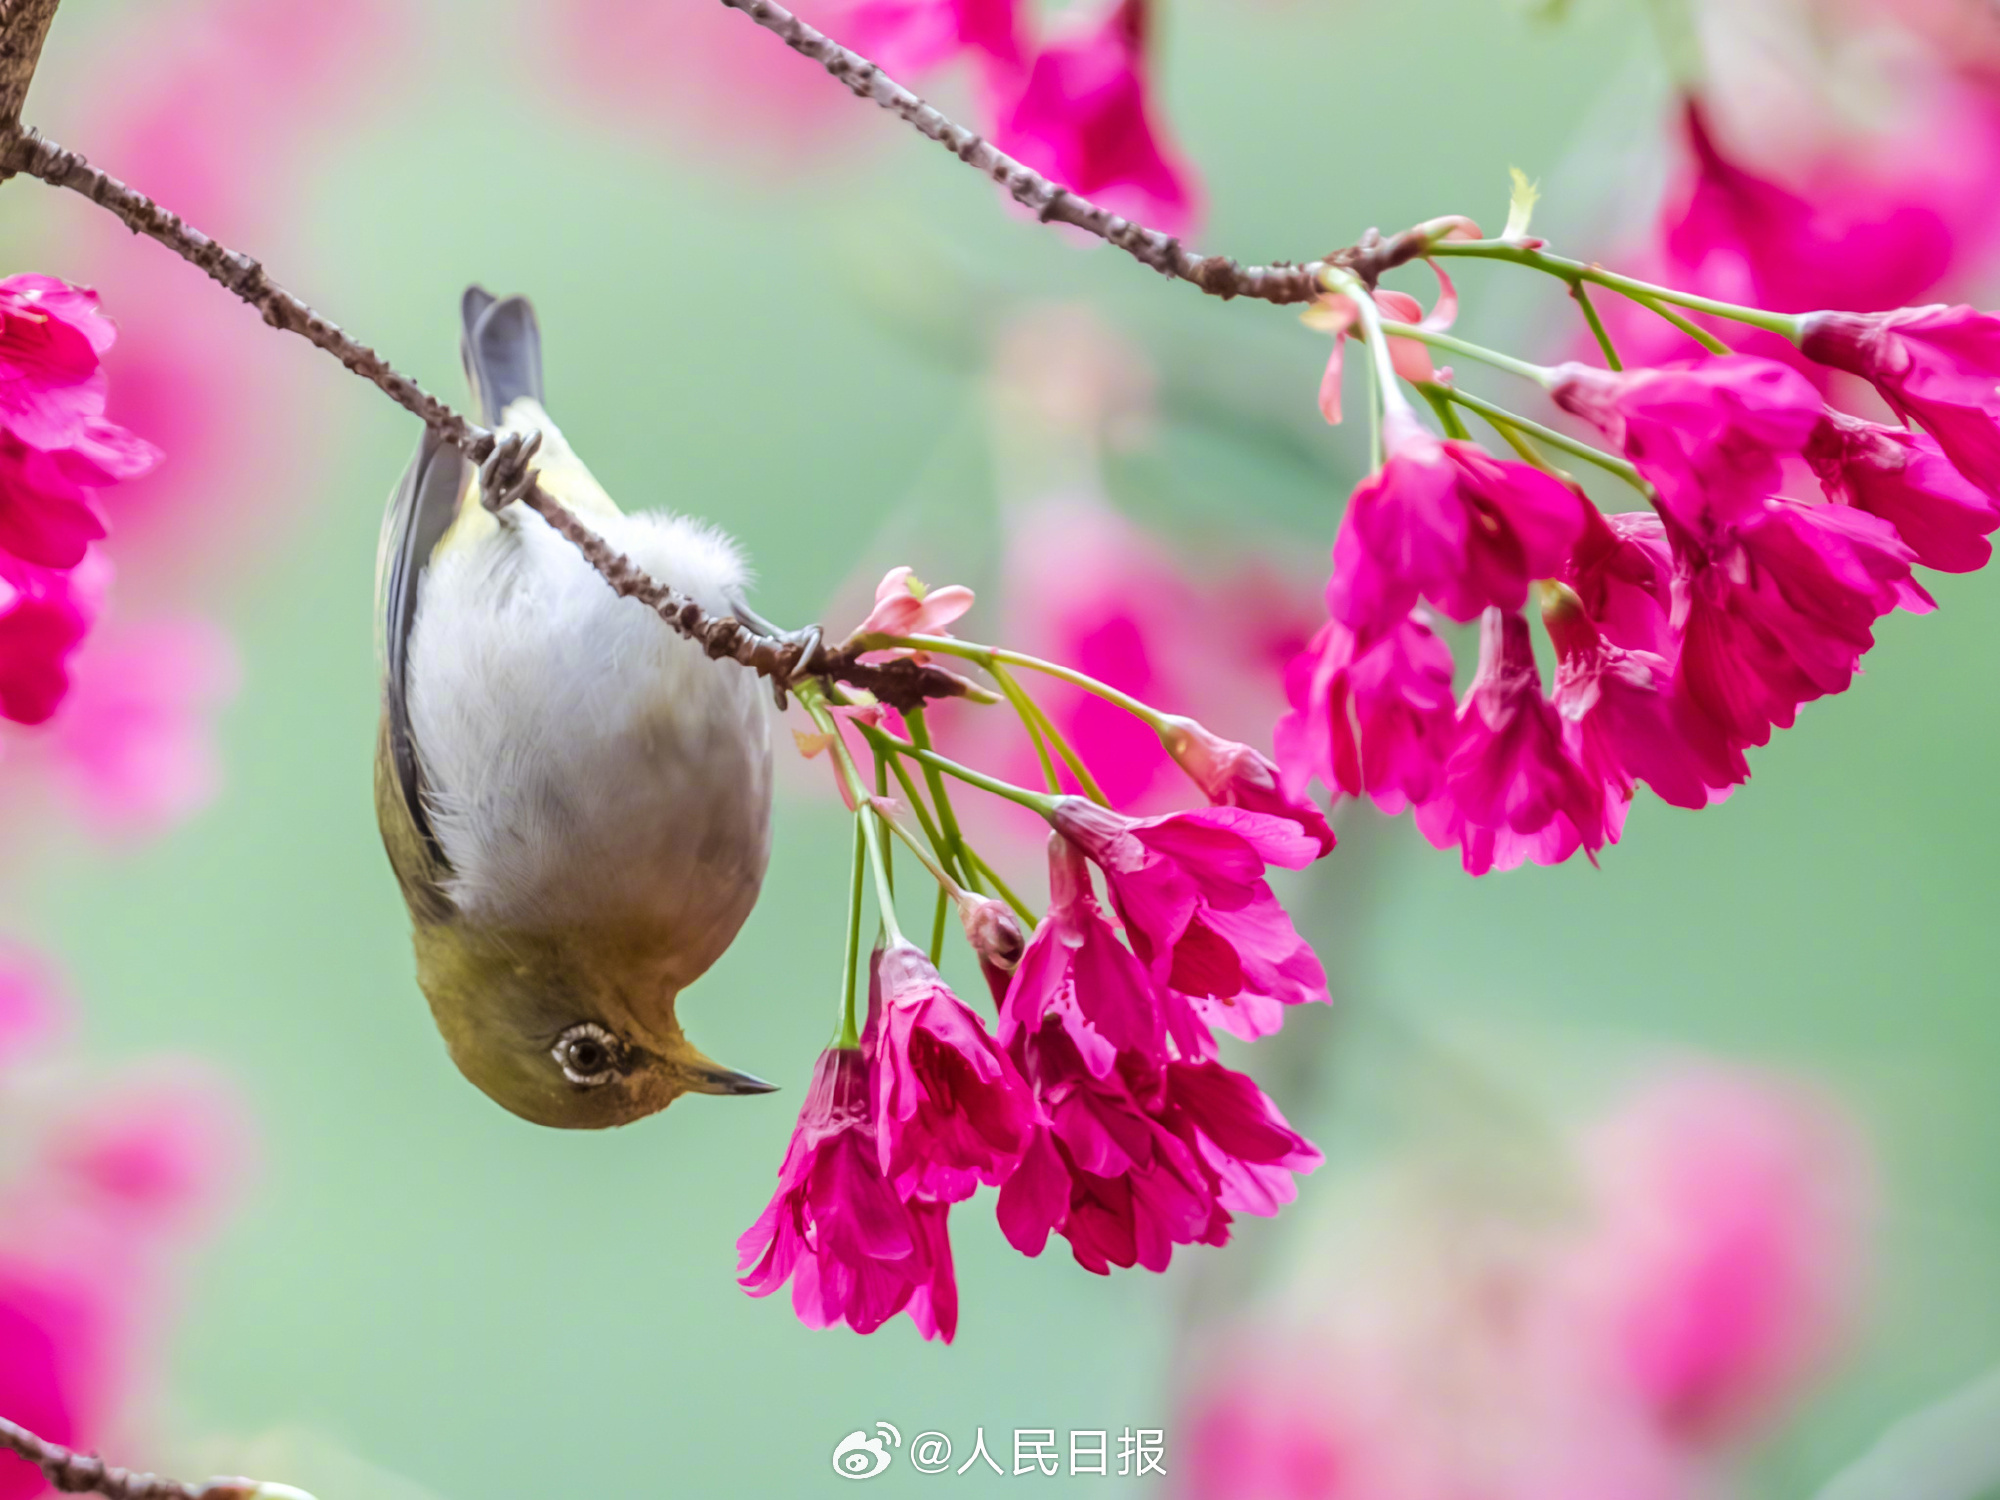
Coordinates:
[1905,478]
[1624,721]
[1083,116]
[1511,790]
[910,37]
[951,1110]
[1710,435]
[1458,1340]
[1937,366]
[1374,720]
[853,1250]
[1445,521]
[1149,1143]
[1623,569]
[1776,606]
[1190,889]
[1233,775]
[993,931]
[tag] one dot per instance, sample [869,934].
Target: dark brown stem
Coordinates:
[1218,275]
[901,683]
[73,1473]
[24,24]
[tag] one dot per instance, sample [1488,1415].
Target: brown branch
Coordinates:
[901,683]
[24,24]
[1218,275]
[73,1473]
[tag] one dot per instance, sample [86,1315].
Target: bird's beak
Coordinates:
[714,1079]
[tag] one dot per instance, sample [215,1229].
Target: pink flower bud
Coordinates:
[993,931]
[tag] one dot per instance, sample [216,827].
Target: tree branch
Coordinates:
[900,682]
[24,24]
[74,1473]
[1218,275]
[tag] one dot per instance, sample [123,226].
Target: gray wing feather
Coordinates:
[501,344]
[424,506]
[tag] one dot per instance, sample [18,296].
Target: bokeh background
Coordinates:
[769,304]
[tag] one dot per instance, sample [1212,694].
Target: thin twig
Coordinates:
[73,1473]
[1051,202]
[24,24]
[900,682]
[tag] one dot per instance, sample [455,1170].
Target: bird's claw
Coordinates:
[505,476]
[802,650]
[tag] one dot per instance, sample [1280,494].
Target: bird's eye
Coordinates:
[588,1054]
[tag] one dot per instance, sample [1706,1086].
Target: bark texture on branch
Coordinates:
[73,1473]
[24,25]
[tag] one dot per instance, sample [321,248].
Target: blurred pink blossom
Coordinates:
[1084,117]
[1488,1347]
[110,1181]
[736,91]
[136,740]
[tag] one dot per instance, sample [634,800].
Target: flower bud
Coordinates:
[993,930]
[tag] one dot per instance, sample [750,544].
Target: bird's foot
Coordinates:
[506,476]
[802,649]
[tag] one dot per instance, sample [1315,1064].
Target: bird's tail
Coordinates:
[502,346]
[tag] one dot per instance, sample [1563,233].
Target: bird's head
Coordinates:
[562,1029]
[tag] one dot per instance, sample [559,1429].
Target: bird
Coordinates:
[575,799]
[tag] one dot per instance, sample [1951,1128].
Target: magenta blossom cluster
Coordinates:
[1098,1105]
[56,451]
[1781,531]
[1074,103]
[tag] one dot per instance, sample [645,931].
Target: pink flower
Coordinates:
[1077,974]
[1446,521]
[1904,478]
[1937,366]
[1190,889]
[55,1369]
[1511,789]
[951,1111]
[904,606]
[1237,1132]
[1724,1263]
[1374,719]
[136,739]
[1233,775]
[909,37]
[1104,1173]
[1623,570]
[1710,435]
[44,615]
[1776,607]
[1848,245]
[1083,118]
[55,446]
[853,1250]
[1623,721]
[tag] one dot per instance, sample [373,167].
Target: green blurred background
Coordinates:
[488,1308]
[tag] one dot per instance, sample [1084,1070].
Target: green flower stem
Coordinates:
[885,896]
[1643,292]
[1350,286]
[882,790]
[1694,331]
[986,656]
[1447,415]
[916,802]
[1042,802]
[1598,331]
[1562,442]
[957,863]
[849,1032]
[1026,706]
[1024,710]
[924,857]
[937,926]
[1540,374]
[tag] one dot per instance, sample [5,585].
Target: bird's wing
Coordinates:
[420,512]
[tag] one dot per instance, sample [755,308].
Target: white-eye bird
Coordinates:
[575,798]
